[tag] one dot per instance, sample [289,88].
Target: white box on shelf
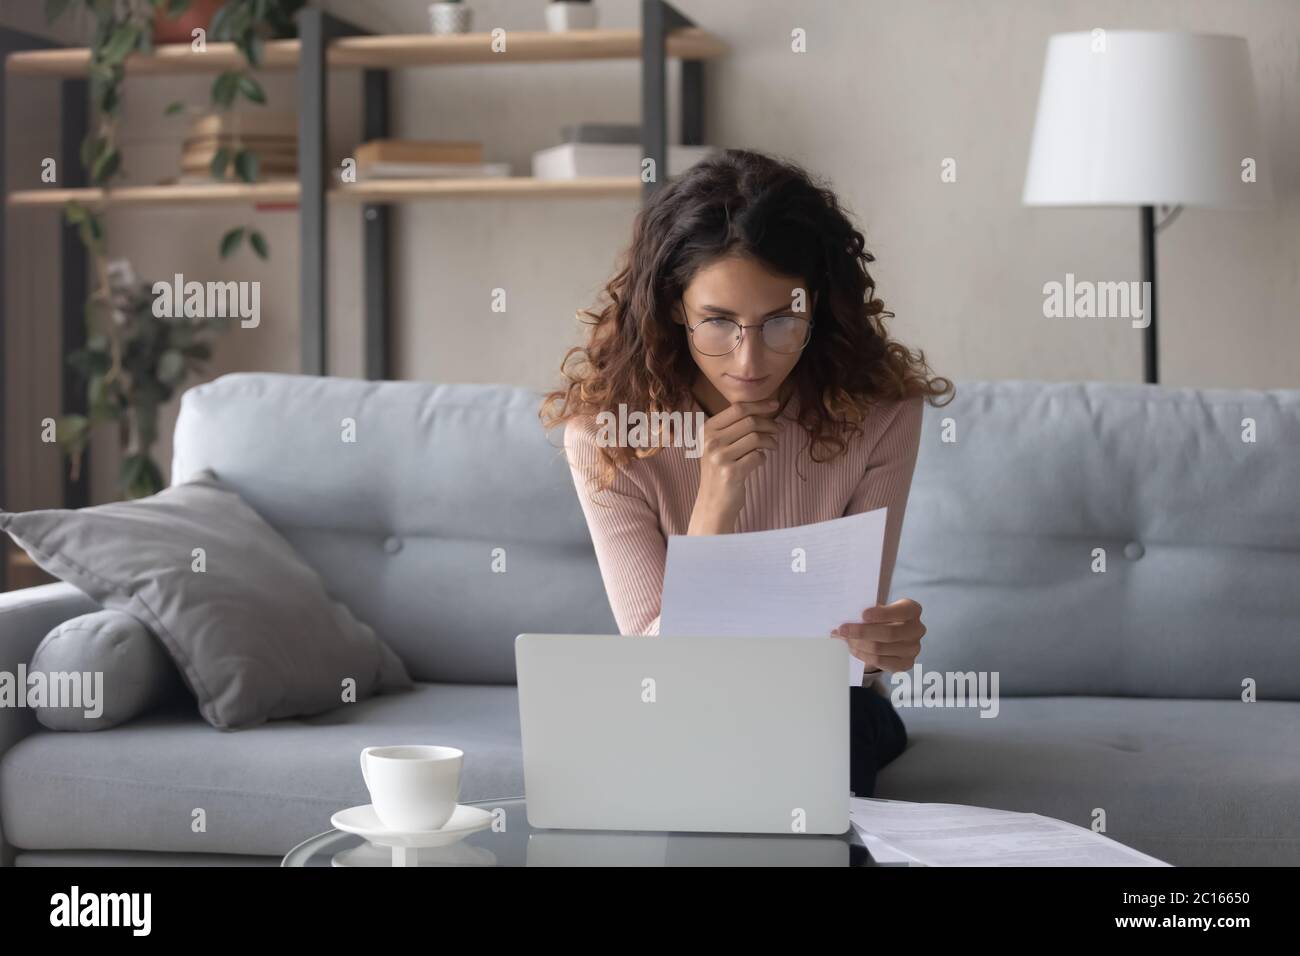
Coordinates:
[574,160]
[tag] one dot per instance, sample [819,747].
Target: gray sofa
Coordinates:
[1120,690]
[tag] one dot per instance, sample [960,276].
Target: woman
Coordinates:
[745,299]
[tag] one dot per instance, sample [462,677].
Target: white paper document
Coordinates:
[793,582]
[948,834]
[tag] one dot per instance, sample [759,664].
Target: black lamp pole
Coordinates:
[1150,357]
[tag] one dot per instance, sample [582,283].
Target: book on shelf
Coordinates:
[271,136]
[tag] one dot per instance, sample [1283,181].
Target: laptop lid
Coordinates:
[720,734]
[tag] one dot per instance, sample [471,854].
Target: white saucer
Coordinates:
[364,823]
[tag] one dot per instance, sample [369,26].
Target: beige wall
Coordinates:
[886,91]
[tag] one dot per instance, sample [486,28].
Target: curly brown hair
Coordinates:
[741,202]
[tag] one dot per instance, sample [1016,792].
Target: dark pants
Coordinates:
[876,736]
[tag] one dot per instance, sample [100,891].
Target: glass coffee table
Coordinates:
[510,841]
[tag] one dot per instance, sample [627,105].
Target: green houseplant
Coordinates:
[131,371]
[134,361]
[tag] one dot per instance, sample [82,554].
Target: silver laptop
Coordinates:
[719,734]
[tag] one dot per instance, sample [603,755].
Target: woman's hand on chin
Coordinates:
[887,638]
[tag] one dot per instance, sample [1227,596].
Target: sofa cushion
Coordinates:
[248,623]
[1191,782]
[134,672]
[1190,495]
[137,787]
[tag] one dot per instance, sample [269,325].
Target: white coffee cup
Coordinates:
[413,787]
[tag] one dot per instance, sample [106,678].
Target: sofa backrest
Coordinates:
[449,524]
[1021,489]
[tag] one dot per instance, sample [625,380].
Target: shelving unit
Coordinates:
[325,42]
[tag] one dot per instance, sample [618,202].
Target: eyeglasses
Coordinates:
[781,333]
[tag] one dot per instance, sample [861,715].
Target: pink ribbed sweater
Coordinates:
[653,498]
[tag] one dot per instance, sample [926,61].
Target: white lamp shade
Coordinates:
[1145,118]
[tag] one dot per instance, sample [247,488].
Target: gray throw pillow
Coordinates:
[246,620]
[114,667]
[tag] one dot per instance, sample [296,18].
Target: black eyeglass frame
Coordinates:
[741,336]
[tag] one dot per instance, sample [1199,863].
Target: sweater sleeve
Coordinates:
[631,549]
[887,482]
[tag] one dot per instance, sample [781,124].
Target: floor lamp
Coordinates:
[1149,119]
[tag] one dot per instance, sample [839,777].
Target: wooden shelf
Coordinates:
[198,194]
[386,52]
[399,190]
[387,190]
[522,46]
[167,58]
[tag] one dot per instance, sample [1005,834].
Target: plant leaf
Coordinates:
[122,42]
[97,392]
[246,165]
[253,49]
[91,233]
[103,88]
[251,89]
[70,430]
[174,107]
[258,242]
[90,147]
[224,88]
[217,27]
[106,164]
[139,476]
[230,241]
[220,160]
